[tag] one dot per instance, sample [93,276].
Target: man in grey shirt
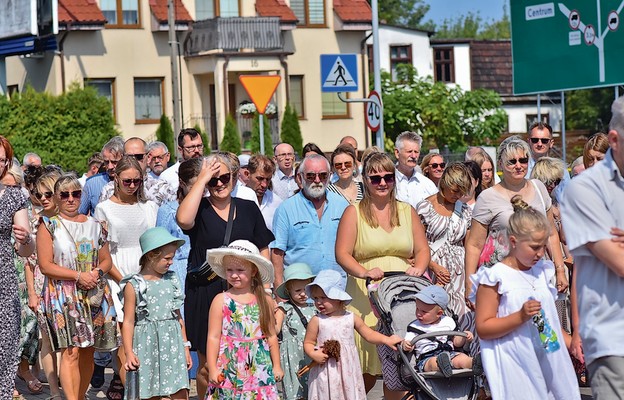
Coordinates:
[592,206]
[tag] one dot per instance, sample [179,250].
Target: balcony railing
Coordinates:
[257,33]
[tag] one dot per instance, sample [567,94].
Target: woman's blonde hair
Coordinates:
[370,150]
[548,170]
[424,165]
[67,181]
[480,157]
[511,146]
[48,180]
[16,172]
[597,142]
[456,175]
[378,162]
[127,163]
[526,220]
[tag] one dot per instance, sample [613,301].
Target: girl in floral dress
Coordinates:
[242,359]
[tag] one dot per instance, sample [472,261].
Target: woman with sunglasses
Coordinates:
[432,166]
[205,220]
[377,235]
[74,255]
[486,243]
[344,163]
[125,216]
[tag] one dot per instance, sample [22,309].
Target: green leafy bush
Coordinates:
[164,133]
[231,140]
[291,131]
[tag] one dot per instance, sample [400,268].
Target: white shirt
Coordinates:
[426,345]
[171,175]
[414,189]
[243,192]
[270,202]
[283,186]
[83,179]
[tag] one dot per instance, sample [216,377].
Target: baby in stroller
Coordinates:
[437,354]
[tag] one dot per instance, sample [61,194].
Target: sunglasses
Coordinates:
[129,182]
[224,179]
[138,157]
[347,164]
[40,196]
[535,140]
[75,194]
[436,165]
[311,176]
[513,161]
[376,179]
[552,183]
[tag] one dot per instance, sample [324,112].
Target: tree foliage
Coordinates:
[231,140]
[64,130]
[472,26]
[589,109]
[255,136]
[442,114]
[205,139]
[409,13]
[290,130]
[164,133]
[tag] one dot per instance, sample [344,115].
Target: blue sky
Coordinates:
[441,9]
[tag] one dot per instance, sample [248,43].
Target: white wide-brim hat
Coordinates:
[331,283]
[242,249]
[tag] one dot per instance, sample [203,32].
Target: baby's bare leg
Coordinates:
[462,361]
[431,365]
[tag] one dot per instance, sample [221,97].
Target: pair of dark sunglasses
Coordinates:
[129,182]
[347,164]
[138,157]
[513,161]
[436,165]
[74,193]
[376,179]
[311,176]
[224,179]
[40,196]
[535,140]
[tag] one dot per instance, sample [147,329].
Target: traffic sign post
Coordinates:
[260,89]
[373,111]
[571,44]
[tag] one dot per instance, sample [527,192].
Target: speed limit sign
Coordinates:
[373,111]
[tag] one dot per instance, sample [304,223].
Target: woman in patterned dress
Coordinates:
[13,220]
[79,310]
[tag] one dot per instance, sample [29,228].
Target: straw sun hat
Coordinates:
[242,249]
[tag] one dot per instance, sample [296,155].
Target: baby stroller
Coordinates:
[393,301]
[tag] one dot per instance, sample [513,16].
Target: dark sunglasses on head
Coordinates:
[75,194]
[128,182]
[138,157]
[347,164]
[40,196]
[534,140]
[436,165]
[311,176]
[376,179]
[224,179]
[513,161]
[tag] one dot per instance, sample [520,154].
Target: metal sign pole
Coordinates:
[376,68]
[563,128]
[261,122]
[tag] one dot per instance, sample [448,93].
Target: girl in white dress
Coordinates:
[513,298]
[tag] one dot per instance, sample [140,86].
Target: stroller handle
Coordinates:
[436,334]
[386,274]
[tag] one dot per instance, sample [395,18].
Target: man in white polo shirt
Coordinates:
[411,185]
[261,168]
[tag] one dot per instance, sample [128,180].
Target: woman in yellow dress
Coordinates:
[377,235]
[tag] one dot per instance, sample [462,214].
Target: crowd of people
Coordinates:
[261,265]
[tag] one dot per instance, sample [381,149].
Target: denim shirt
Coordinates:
[91,193]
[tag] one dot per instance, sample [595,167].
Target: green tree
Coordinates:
[255,136]
[589,109]
[472,26]
[204,136]
[409,13]
[442,114]
[64,129]
[164,133]
[290,130]
[231,140]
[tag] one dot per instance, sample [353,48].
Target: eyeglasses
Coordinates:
[195,147]
[285,155]
[114,162]
[347,164]
[513,161]
[138,157]
[75,194]
[40,196]
[129,182]
[436,165]
[160,158]
[534,140]
[376,179]
[311,176]
[224,179]
[4,161]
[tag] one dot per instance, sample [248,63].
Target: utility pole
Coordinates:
[377,70]
[175,73]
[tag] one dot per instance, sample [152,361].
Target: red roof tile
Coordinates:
[275,8]
[353,10]
[79,12]
[161,11]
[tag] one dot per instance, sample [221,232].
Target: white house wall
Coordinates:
[518,114]
[422,58]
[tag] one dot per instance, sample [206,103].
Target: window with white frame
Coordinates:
[310,13]
[296,94]
[148,99]
[105,88]
[208,9]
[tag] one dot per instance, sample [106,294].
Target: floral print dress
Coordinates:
[244,358]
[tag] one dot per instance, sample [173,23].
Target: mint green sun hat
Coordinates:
[301,271]
[157,237]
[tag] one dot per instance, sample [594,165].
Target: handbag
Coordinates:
[204,272]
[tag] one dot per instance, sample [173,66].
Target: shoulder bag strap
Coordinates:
[302,317]
[539,193]
[230,222]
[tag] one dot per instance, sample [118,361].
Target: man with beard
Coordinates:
[157,158]
[411,185]
[112,152]
[260,169]
[190,145]
[305,225]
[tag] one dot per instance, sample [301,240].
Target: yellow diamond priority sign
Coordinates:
[260,88]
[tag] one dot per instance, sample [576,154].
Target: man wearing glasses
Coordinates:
[284,184]
[190,145]
[305,225]
[157,158]
[540,142]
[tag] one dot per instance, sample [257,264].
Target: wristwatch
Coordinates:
[100,273]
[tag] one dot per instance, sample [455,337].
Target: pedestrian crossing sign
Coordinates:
[339,73]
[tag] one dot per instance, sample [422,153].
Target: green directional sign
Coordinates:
[568,44]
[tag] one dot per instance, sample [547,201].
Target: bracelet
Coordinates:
[187,344]
[78,276]
[558,267]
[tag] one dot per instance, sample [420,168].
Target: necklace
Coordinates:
[343,192]
[523,275]
[511,193]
